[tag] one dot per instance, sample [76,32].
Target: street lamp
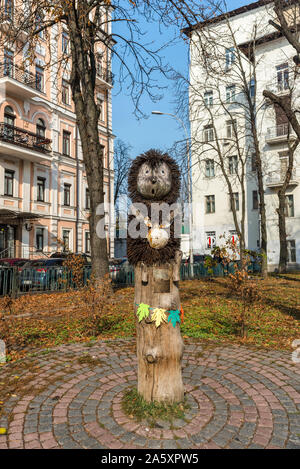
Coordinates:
[160,113]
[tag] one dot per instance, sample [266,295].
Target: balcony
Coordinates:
[279,134]
[104,77]
[277,180]
[18,82]
[23,144]
[281,87]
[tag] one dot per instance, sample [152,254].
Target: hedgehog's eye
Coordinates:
[147,171]
[162,171]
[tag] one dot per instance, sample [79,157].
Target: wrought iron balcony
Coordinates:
[105,75]
[23,138]
[10,70]
[279,133]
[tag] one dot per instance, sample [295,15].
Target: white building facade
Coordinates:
[226,54]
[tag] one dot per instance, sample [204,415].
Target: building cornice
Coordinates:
[229,14]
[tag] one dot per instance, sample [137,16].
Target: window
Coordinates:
[87,247]
[39,239]
[283,165]
[66,142]
[230,94]
[208,133]
[9,115]
[282,77]
[100,102]
[289,205]
[87,199]
[41,183]
[231,128]
[40,128]
[291,248]
[253,162]
[66,240]
[99,59]
[39,24]
[229,56]
[210,239]
[233,236]
[209,168]
[252,88]
[39,78]
[208,98]
[8,63]
[9,122]
[210,204]
[9,182]
[233,164]
[254,200]
[236,201]
[65,94]
[8,9]
[65,42]
[67,193]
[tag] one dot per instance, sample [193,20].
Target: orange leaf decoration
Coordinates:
[181,314]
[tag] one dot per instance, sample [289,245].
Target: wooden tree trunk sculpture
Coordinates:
[154,177]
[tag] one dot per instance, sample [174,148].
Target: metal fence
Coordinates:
[15,282]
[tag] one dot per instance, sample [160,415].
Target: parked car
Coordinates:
[42,274]
[14,261]
[198,258]
[65,255]
[115,266]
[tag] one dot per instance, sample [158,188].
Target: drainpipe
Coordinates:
[77,186]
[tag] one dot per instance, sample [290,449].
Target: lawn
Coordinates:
[210,313]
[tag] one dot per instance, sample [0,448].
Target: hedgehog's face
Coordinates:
[154,183]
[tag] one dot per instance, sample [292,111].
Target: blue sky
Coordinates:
[155,131]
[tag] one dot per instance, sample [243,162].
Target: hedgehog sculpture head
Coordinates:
[153,177]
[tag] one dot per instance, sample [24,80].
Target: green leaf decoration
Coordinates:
[174,316]
[142,311]
[159,316]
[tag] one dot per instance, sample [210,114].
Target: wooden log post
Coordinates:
[153,181]
[159,349]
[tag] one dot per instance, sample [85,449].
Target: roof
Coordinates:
[229,14]
[247,47]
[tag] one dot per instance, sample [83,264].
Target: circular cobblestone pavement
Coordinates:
[70,397]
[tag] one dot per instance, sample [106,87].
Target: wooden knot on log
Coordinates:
[150,358]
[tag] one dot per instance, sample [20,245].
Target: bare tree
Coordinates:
[88,25]
[122,162]
[239,107]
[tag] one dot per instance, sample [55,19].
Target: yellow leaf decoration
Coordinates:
[3,431]
[159,316]
[142,311]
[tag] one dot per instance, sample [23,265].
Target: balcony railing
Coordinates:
[281,85]
[282,130]
[25,77]
[21,137]
[105,75]
[277,179]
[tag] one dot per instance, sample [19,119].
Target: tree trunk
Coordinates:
[282,233]
[87,112]
[159,349]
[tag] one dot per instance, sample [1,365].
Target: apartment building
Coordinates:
[44,198]
[221,136]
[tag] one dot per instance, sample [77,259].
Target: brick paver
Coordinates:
[239,397]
